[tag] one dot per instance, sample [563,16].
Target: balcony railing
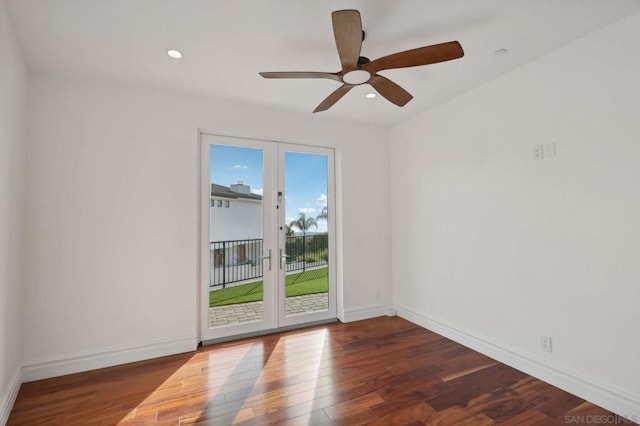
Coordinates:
[235,261]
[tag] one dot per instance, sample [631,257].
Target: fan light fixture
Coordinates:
[357,69]
[356,77]
[370,95]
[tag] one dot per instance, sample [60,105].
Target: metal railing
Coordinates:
[235,261]
[306,251]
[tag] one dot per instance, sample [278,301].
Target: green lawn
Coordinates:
[308,282]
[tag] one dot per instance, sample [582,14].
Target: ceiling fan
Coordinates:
[357,70]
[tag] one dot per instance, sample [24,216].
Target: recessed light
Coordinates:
[370,95]
[175,54]
[501,52]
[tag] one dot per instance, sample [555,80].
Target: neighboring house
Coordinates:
[235,224]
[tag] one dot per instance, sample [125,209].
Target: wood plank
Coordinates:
[355,405]
[414,413]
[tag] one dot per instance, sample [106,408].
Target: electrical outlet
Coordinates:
[545,343]
[538,153]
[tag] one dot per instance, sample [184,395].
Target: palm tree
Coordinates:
[288,230]
[303,223]
[323,214]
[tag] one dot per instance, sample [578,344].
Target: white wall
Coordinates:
[12,102]
[111,221]
[494,249]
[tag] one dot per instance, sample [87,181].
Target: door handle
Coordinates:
[282,257]
[267,257]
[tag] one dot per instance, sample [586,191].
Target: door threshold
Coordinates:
[265,332]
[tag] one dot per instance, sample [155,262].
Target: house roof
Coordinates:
[226,192]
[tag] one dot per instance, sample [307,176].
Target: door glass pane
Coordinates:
[306,235]
[236,235]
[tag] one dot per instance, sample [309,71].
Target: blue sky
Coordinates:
[305,177]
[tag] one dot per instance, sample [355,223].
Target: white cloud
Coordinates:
[239,166]
[322,200]
[307,210]
[257,191]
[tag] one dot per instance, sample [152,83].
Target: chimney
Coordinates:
[240,188]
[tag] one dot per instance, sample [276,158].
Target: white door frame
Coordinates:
[269,320]
[331,313]
[274,316]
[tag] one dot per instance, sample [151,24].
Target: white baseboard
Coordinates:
[8,396]
[105,357]
[616,400]
[366,312]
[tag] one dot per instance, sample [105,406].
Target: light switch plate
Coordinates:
[550,150]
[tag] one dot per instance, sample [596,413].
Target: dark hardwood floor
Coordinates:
[383,371]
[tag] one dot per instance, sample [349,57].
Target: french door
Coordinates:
[267,252]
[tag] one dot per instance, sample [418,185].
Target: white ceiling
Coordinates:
[226,44]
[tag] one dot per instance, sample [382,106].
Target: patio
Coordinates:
[252,311]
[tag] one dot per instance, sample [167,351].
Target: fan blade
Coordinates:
[347,30]
[301,74]
[416,57]
[390,90]
[333,98]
